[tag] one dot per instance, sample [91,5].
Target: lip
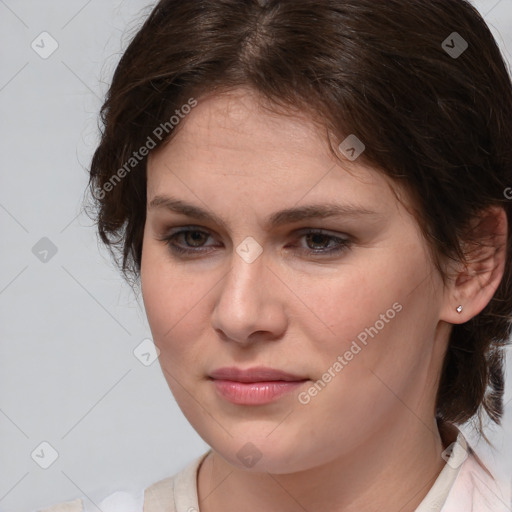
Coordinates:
[254,386]
[256,374]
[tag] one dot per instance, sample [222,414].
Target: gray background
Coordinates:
[69,325]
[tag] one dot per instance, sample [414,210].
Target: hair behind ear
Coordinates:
[472,381]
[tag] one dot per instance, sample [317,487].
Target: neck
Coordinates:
[394,470]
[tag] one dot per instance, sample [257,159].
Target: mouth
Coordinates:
[257,374]
[254,386]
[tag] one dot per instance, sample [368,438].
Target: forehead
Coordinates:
[240,120]
[236,139]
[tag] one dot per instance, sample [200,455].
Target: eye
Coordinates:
[193,237]
[326,244]
[191,240]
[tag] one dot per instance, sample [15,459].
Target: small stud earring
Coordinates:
[459,309]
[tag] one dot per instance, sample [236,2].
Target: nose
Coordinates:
[250,303]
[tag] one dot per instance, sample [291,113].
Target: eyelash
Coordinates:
[343,243]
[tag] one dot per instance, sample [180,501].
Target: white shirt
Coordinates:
[464,485]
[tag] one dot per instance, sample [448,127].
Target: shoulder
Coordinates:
[475,488]
[176,493]
[118,502]
[171,494]
[160,495]
[68,506]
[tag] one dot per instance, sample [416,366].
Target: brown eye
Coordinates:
[187,241]
[320,243]
[194,238]
[318,239]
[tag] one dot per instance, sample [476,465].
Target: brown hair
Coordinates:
[434,116]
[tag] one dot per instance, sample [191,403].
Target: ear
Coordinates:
[472,285]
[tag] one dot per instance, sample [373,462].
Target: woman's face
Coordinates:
[352,313]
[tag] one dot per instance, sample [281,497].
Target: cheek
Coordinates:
[379,313]
[176,303]
[342,305]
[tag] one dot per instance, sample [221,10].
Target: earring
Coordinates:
[458,309]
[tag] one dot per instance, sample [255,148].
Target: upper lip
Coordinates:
[257,374]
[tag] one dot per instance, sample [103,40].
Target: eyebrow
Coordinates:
[279,218]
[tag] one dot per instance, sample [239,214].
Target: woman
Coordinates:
[312,196]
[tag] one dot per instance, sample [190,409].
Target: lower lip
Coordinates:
[255,393]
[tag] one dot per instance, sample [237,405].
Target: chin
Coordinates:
[264,454]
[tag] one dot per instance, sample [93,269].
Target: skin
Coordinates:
[368,441]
